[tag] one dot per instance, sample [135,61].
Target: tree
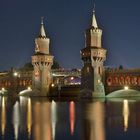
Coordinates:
[120,67]
[55,65]
[27,67]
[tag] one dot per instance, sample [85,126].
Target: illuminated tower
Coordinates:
[42,61]
[93,56]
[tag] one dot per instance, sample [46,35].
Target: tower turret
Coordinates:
[42,61]
[42,42]
[93,56]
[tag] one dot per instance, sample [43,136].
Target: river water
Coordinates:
[69,119]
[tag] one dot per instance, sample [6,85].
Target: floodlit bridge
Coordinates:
[22,80]
[119,79]
[114,80]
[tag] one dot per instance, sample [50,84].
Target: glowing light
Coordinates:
[126,88]
[52,85]
[125,114]
[71,78]
[29,88]
[15,74]
[99,81]
[3,89]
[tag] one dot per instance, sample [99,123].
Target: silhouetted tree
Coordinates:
[120,67]
[27,67]
[55,65]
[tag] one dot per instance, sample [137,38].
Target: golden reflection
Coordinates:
[16,119]
[42,121]
[3,116]
[94,127]
[125,114]
[54,118]
[72,116]
[29,117]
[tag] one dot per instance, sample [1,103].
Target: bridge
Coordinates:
[23,79]
[118,79]
[114,80]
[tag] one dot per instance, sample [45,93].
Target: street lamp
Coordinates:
[15,74]
[126,88]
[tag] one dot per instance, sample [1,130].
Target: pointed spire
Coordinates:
[42,30]
[94,22]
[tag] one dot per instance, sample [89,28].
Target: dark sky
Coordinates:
[65,22]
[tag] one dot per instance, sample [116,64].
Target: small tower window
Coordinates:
[99,70]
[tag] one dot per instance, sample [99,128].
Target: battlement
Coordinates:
[117,70]
[95,30]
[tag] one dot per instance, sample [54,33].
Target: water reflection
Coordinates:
[16,119]
[29,117]
[72,116]
[42,119]
[94,121]
[3,116]
[54,118]
[125,114]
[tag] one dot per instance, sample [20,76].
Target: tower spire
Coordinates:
[94,22]
[42,20]
[42,30]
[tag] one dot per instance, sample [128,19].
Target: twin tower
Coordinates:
[93,56]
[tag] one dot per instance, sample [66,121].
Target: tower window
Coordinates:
[99,70]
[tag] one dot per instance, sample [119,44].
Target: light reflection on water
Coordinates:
[42,119]
[16,119]
[72,116]
[93,121]
[125,114]
[3,116]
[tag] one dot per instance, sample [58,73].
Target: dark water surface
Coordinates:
[42,119]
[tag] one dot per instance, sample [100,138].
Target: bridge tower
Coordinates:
[93,57]
[42,61]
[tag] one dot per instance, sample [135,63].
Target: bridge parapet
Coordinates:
[65,73]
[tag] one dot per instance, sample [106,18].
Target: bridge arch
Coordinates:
[72,80]
[124,93]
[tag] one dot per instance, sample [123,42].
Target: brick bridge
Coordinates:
[115,79]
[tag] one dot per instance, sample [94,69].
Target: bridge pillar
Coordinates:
[93,56]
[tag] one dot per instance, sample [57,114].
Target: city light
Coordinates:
[29,88]
[71,78]
[99,81]
[15,74]
[52,85]
[126,88]
[3,89]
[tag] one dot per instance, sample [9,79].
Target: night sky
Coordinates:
[65,22]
